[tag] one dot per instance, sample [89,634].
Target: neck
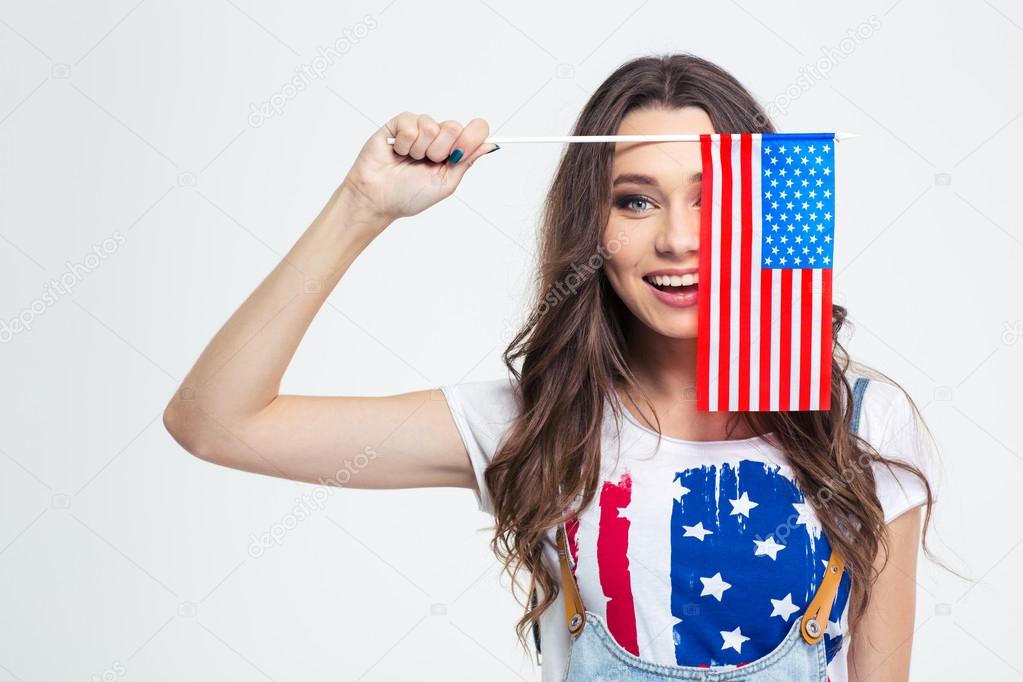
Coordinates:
[665,369]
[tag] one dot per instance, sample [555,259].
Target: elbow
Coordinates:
[183,424]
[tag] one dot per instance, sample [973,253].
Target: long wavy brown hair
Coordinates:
[572,349]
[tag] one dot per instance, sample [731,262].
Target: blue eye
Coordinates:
[624,202]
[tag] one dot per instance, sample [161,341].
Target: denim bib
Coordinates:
[801,655]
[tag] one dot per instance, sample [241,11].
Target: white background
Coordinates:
[123,557]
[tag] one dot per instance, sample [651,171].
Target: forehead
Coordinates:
[661,159]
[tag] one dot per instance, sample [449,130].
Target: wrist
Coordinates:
[356,211]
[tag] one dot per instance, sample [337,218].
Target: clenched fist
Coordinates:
[423,166]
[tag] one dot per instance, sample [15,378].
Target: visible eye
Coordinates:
[624,202]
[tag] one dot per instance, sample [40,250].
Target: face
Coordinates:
[654,225]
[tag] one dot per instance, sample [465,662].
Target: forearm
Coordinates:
[239,373]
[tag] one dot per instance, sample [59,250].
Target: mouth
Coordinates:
[685,282]
[676,288]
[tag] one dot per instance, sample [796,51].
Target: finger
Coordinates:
[428,131]
[471,142]
[440,149]
[404,130]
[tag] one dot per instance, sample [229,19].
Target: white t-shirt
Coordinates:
[701,552]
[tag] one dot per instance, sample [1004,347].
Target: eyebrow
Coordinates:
[640,179]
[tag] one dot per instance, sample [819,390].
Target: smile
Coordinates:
[678,288]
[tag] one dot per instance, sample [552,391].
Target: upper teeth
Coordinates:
[675,280]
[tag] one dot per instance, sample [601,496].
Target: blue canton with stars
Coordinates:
[798,200]
[747,556]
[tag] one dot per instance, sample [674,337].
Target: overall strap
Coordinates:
[575,613]
[815,618]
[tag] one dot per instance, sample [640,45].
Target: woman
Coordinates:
[693,542]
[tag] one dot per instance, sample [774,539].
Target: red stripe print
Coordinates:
[613,562]
[572,531]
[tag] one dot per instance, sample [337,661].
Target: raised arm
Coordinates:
[228,409]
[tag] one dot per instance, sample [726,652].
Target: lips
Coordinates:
[674,271]
[674,297]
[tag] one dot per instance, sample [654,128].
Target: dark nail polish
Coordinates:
[494,149]
[455,156]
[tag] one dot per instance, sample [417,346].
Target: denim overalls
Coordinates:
[595,655]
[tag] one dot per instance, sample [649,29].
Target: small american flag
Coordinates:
[766,251]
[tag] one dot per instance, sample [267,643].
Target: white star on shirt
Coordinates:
[733,639]
[807,517]
[714,586]
[697,531]
[768,547]
[742,505]
[682,490]
[784,607]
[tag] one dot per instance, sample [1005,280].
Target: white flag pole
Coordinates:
[615,138]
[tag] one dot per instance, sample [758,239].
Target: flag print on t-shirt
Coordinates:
[721,557]
[698,552]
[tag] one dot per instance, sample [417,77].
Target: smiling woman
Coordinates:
[666,541]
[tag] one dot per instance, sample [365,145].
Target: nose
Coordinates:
[679,234]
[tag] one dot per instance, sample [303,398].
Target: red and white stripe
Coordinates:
[764,336]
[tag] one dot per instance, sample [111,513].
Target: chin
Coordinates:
[682,327]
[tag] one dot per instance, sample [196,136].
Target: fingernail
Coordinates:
[494,149]
[455,156]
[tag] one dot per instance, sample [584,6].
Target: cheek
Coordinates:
[621,262]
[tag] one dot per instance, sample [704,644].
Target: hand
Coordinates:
[406,178]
